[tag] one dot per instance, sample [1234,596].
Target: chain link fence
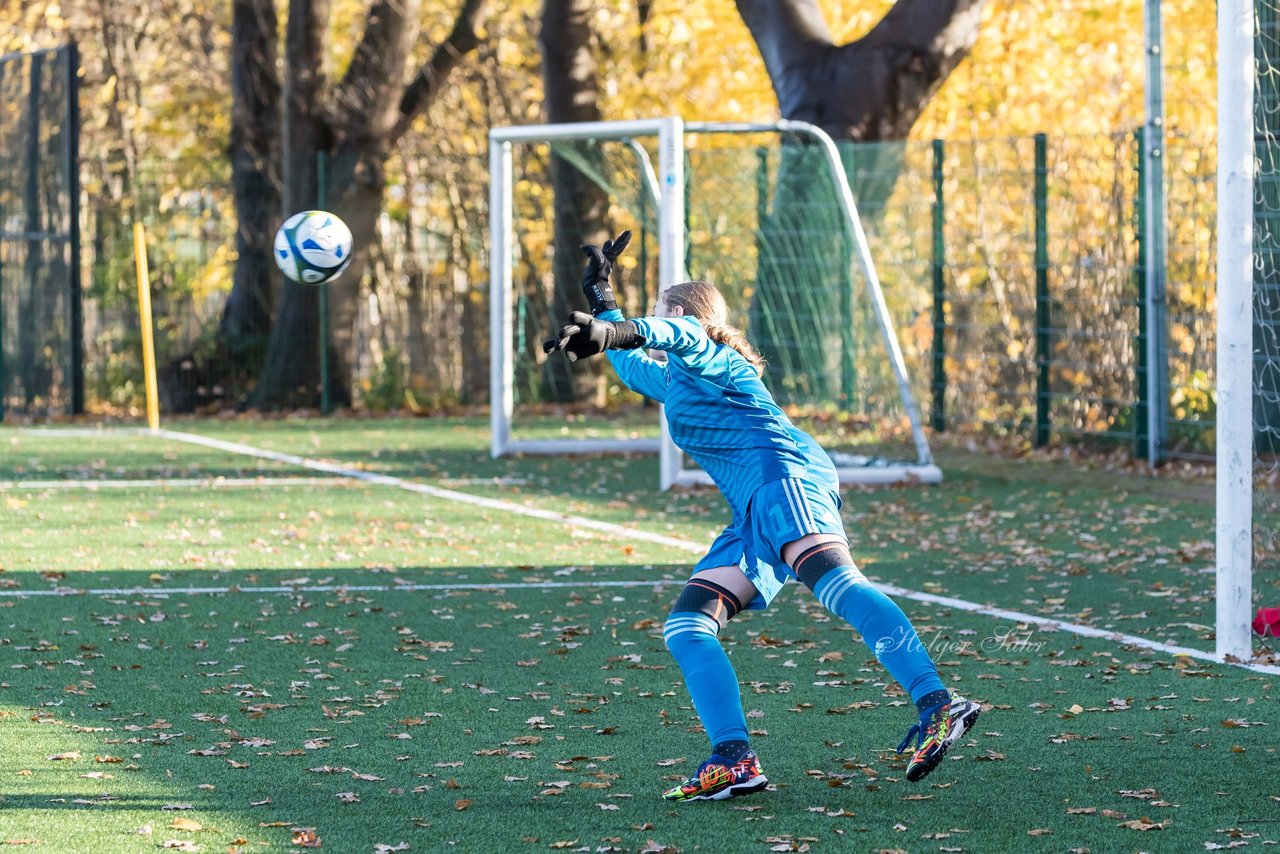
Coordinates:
[40,322]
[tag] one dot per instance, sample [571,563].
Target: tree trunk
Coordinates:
[255,177]
[572,95]
[370,108]
[291,372]
[871,89]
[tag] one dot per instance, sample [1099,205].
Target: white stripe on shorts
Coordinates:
[799,505]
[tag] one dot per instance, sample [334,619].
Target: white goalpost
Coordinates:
[670,188]
[1235,416]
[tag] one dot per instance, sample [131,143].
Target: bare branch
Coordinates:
[448,54]
[365,100]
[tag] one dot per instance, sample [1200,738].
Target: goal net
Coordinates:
[764,212]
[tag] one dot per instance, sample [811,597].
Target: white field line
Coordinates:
[1045,623]
[163,592]
[174,483]
[433,491]
[86,432]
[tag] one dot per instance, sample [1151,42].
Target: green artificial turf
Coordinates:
[526,717]
[541,711]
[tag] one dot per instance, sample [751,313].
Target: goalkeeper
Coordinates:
[783,491]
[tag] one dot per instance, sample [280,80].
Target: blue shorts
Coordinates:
[780,512]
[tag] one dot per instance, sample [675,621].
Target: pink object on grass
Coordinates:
[1267,622]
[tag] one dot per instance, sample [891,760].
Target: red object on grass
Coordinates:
[1267,622]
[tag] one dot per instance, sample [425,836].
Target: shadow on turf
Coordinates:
[407,579]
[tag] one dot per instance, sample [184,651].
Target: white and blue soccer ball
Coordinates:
[313,247]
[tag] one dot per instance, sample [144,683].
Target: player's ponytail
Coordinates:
[703,301]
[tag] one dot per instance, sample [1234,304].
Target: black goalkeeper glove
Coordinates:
[595,281]
[584,336]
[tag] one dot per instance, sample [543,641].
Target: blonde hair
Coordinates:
[703,301]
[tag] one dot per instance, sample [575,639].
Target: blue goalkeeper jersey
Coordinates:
[719,411]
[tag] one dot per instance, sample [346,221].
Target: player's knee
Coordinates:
[816,561]
[703,607]
[684,629]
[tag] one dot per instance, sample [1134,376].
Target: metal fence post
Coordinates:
[321,201]
[72,57]
[848,382]
[4,386]
[1154,236]
[939,384]
[1044,340]
[1142,369]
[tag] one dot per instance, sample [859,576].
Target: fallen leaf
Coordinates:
[305,837]
[462,803]
[186,824]
[1139,794]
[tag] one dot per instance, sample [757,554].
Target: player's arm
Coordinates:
[679,336]
[639,372]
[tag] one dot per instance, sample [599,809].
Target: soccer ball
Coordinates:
[313,247]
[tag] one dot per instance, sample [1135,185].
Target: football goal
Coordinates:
[766,213]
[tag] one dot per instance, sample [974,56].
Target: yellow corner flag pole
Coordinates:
[144,315]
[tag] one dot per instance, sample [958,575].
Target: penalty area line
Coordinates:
[164,592]
[433,491]
[174,483]
[1173,650]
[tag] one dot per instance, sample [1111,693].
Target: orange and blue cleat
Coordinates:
[938,729]
[717,780]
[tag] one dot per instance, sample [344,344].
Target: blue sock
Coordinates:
[695,645]
[846,592]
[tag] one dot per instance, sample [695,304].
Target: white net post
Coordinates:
[501,358]
[669,132]
[1235,423]
[670,261]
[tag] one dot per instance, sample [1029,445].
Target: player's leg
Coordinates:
[824,564]
[808,523]
[712,597]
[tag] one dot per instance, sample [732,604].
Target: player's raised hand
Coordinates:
[573,326]
[595,281]
[613,248]
[583,336]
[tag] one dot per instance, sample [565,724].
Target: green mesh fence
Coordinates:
[190,228]
[1266,306]
[40,308]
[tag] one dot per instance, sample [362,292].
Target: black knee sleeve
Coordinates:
[707,597]
[816,561]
